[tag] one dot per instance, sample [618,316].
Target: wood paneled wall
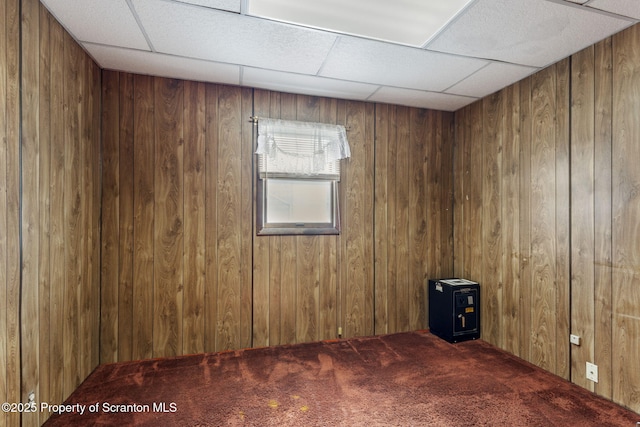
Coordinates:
[591,168]
[9,207]
[625,227]
[413,214]
[177,201]
[512,214]
[49,210]
[305,287]
[546,215]
[182,268]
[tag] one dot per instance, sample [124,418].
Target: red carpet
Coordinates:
[407,379]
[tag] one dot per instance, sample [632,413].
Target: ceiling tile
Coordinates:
[532,32]
[99,21]
[421,99]
[393,65]
[490,79]
[629,8]
[306,85]
[184,30]
[230,5]
[155,64]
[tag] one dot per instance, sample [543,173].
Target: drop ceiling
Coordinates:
[439,54]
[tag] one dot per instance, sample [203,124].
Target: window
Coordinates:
[298,177]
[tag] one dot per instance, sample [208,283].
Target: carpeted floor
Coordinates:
[406,379]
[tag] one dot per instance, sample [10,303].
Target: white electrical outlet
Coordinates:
[574,339]
[592,372]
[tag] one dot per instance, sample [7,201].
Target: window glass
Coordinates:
[298,201]
[297,206]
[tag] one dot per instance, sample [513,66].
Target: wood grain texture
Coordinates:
[307,253]
[56,212]
[460,164]
[10,207]
[603,332]
[5,245]
[401,218]
[358,308]
[510,207]
[30,206]
[543,204]
[262,285]
[288,244]
[273,106]
[211,217]
[44,255]
[85,287]
[392,215]
[125,217]
[72,214]
[110,217]
[143,217]
[93,159]
[369,123]
[194,217]
[168,218]
[229,195]
[473,191]
[563,225]
[381,218]
[507,145]
[493,126]
[413,215]
[582,212]
[424,209]
[328,261]
[525,220]
[469,177]
[246,218]
[625,213]
[445,192]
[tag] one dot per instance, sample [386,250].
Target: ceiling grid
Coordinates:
[398,52]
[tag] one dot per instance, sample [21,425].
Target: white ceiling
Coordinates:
[488,45]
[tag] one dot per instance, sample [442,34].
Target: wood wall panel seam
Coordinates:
[582,212]
[11,179]
[4,243]
[30,207]
[125,217]
[603,331]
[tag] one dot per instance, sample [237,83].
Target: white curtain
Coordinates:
[301,148]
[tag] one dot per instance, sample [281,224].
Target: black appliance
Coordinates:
[454,309]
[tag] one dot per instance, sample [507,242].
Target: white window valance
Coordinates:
[288,148]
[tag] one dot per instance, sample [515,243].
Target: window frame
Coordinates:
[303,152]
[264,227]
